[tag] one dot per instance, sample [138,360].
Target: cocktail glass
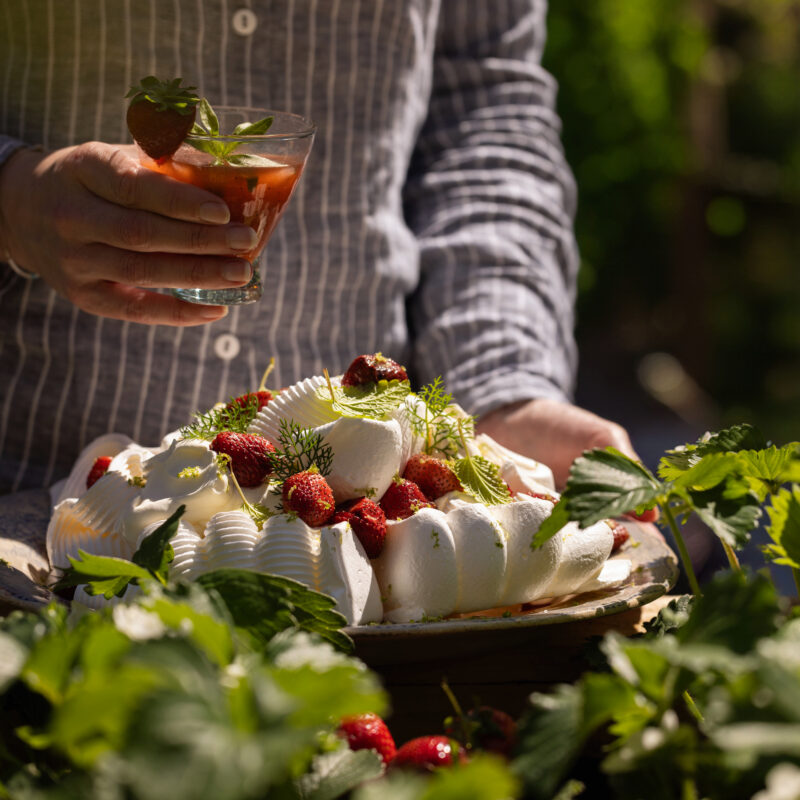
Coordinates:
[255,190]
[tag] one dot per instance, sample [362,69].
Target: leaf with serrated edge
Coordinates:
[89,567]
[606,483]
[371,400]
[333,774]
[481,478]
[784,527]
[731,518]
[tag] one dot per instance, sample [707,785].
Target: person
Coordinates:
[433,222]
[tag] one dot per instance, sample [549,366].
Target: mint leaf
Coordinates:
[155,552]
[208,119]
[481,479]
[784,528]
[606,483]
[370,400]
[254,128]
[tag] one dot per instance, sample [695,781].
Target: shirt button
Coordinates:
[227,346]
[244,22]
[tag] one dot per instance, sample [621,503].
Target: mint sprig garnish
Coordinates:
[221,148]
[369,400]
[300,448]
[109,576]
[478,476]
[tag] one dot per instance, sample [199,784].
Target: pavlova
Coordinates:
[354,485]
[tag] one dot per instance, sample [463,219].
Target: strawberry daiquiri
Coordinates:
[255,195]
[251,158]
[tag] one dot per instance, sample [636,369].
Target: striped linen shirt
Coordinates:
[433,221]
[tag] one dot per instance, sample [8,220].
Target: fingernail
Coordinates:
[212,312]
[236,271]
[215,212]
[242,238]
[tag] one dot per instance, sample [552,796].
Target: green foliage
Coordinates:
[234,417]
[368,400]
[220,144]
[160,698]
[703,708]
[481,479]
[300,448]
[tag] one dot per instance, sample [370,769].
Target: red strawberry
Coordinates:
[251,460]
[259,399]
[648,515]
[368,732]
[368,522]
[403,498]
[488,729]
[308,495]
[621,534]
[160,115]
[371,369]
[429,752]
[542,496]
[99,468]
[433,476]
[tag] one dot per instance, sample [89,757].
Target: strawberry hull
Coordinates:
[256,196]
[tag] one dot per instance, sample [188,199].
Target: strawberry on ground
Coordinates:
[368,732]
[487,729]
[99,468]
[250,454]
[403,498]
[433,476]
[371,369]
[426,753]
[308,495]
[648,515]
[368,522]
[160,115]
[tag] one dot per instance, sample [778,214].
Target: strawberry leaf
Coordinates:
[733,439]
[606,483]
[551,525]
[155,552]
[481,478]
[731,518]
[369,400]
[103,575]
[784,528]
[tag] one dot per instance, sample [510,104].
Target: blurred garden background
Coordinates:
[681,120]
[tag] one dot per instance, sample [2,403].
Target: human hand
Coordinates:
[103,230]
[553,432]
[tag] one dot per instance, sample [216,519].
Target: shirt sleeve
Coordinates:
[8,146]
[491,201]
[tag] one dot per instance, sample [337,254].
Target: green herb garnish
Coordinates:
[300,448]
[219,144]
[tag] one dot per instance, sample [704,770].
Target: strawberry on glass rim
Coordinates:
[251,158]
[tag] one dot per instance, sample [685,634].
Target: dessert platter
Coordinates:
[358,487]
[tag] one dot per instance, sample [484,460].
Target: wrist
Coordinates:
[11,177]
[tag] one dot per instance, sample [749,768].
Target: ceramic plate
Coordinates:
[654,572]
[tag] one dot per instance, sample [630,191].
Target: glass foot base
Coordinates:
[223,297]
